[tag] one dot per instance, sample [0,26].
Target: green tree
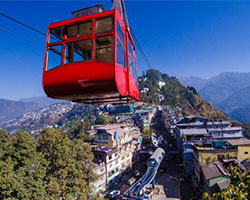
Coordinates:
[239,189]
[86,124]
[75,127]
[153,74]
[22,169]
[146,136]
[101,119]
[70,167]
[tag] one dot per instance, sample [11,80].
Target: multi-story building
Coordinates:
[206,153]
[115,149]
[100,171]
[185,139]
[144,117]
[243,147]
[109,158]
[209,152]
[191,130]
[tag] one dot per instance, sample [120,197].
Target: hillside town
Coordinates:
[198,151]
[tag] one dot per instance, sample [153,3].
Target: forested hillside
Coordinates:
[159,88]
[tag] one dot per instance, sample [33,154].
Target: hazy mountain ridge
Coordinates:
[241,114]
[41,100]
[196,82]
[11,109]
[228,91]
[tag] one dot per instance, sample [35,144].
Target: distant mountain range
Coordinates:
[10,109]
[46,101]
[228,91]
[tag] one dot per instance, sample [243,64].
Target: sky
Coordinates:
[180,38]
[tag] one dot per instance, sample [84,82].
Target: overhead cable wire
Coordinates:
[140,48]
[20,36]
[26,25]
[23,24]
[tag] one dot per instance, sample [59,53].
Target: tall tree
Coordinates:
[70,165]
[22,169]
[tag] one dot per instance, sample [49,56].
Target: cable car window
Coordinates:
[104,25]
[104,48]
[130,63]
[54,55]
[55,35]
[130,50]
[78,51]
[72,31]
[119,53]
[119,32]
[85,28]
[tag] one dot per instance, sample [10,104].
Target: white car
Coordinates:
[114,193]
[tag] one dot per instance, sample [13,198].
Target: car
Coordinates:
[162,170]
[131,181]
[114,194]
[137,173]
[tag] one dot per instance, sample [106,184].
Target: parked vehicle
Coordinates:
[114,194]
[137,173]
[131,181]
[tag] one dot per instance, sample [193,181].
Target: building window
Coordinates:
[78,51]
[54,56]
[110,157]
[104,25]
[104,48]
[246,152]
[105,137]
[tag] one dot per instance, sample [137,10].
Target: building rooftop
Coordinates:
[239,142]
[194,131]
[219,123]
[213,170]
[214,146]
[225,129]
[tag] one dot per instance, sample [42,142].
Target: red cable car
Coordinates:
[91,59]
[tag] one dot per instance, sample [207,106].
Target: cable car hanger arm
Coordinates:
[119,5]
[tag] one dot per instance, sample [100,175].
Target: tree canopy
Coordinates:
[52,167]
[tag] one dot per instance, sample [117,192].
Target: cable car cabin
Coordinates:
[90,59]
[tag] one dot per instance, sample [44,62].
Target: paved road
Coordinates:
[171,188]
[170,184]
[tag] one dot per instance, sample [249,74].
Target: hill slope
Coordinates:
[162,89]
